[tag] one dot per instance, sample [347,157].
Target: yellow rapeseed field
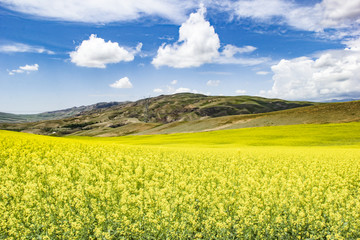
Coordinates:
[59,188]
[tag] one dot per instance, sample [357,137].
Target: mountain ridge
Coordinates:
[187,112]
[53,115]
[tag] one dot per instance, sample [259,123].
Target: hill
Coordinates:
[181,113]
[317,114]
[53,115]
[153,113]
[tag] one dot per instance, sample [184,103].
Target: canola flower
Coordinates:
[56,188]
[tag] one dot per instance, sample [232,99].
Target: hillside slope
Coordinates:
[53,115]
[157,112]
[317,114]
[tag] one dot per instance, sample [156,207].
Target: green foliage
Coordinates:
[345,134]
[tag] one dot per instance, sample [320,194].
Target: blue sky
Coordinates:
[64,53]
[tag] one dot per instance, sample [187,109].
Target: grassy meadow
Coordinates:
[285,182]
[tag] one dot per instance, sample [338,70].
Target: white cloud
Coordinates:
[302,17]
[25,69]
[327,14]
[340,12]
[158,90]
[315,17]
[96,53]
[138,48]
[167,90]
[262,73]
[122,83]
[229,55]
[213,83]
[34,67]
[352,44]
[259,9]
[22,48]
[240,91]
[104,11]
[198,44]
[182,90]
[331,74]
[171,90]
[230,50]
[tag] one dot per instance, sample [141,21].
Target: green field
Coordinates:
[282,182]
[345,134]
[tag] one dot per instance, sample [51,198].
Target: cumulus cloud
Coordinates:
[25,69]
[122,83]
[174,82]
[22,48]
[340,12]
[318,17]
[102,11]
[96,53]
[331,74]
[198,44]
[213,83]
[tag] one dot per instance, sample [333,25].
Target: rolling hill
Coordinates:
[151,113]
[187,112]
[53,115]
